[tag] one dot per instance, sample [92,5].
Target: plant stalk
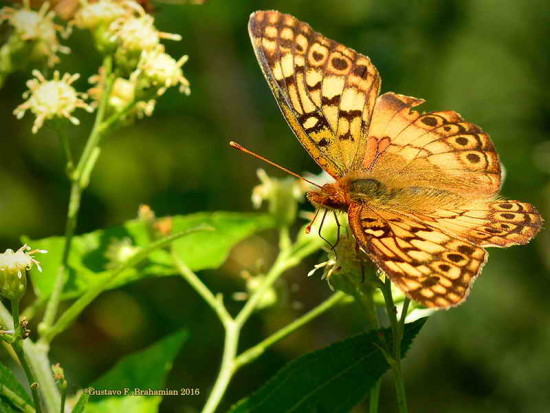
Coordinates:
[79,182]
[93,291]
[396,347]
[18,348]
[227,368]
[256,351]
[289,256]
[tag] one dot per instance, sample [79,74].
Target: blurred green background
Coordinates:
[486,59]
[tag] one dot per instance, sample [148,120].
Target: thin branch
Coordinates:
[256,351]
[215,303]
[79,305]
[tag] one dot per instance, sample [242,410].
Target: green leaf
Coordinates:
[333,379]
[143,370]
[11,392]
[87,262]
[133,404]
[81,403]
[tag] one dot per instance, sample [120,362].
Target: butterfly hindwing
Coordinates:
[434,268]
[500,223]
[325,90]
[436,149]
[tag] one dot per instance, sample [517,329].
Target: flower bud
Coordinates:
[156,72]
[34,37]
[268,298]
[282,196]
[101,13]
[119,251]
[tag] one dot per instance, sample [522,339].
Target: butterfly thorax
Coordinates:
[340,194]
[367,190]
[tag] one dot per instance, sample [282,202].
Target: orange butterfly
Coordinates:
[420,189]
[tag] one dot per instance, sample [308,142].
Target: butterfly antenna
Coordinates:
[241,148]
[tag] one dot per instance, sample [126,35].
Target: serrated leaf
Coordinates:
[143,370]
[8,380]
[204,250]
[333,379]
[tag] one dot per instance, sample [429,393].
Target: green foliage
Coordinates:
[81,403]
[10,385]
[146,369]
[333,379]
[202,250]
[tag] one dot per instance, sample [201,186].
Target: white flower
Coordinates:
[137,34]
[161,71]
[19,261]
[13,271]
[37,26]
[102,12]
[49,99]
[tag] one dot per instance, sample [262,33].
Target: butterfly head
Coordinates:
[331,196]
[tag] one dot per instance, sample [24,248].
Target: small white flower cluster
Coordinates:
[145,70]
[13,268]
[122,29]
[33,31]
[48,99]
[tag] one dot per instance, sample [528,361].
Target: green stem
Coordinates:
[63,398]
[289,256]
[79,179]
[93,291]
[286,259]
[253,353]
[365,297]
[227,368]
[66,147]
[15,399]
[18,348]
[374,397]
[215,303]
[40,364]
[396,347]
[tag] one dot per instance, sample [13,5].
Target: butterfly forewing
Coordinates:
[325,90]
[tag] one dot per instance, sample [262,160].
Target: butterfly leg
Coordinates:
[337,228]
[321,228]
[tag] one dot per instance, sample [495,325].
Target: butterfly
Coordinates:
[420,189]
